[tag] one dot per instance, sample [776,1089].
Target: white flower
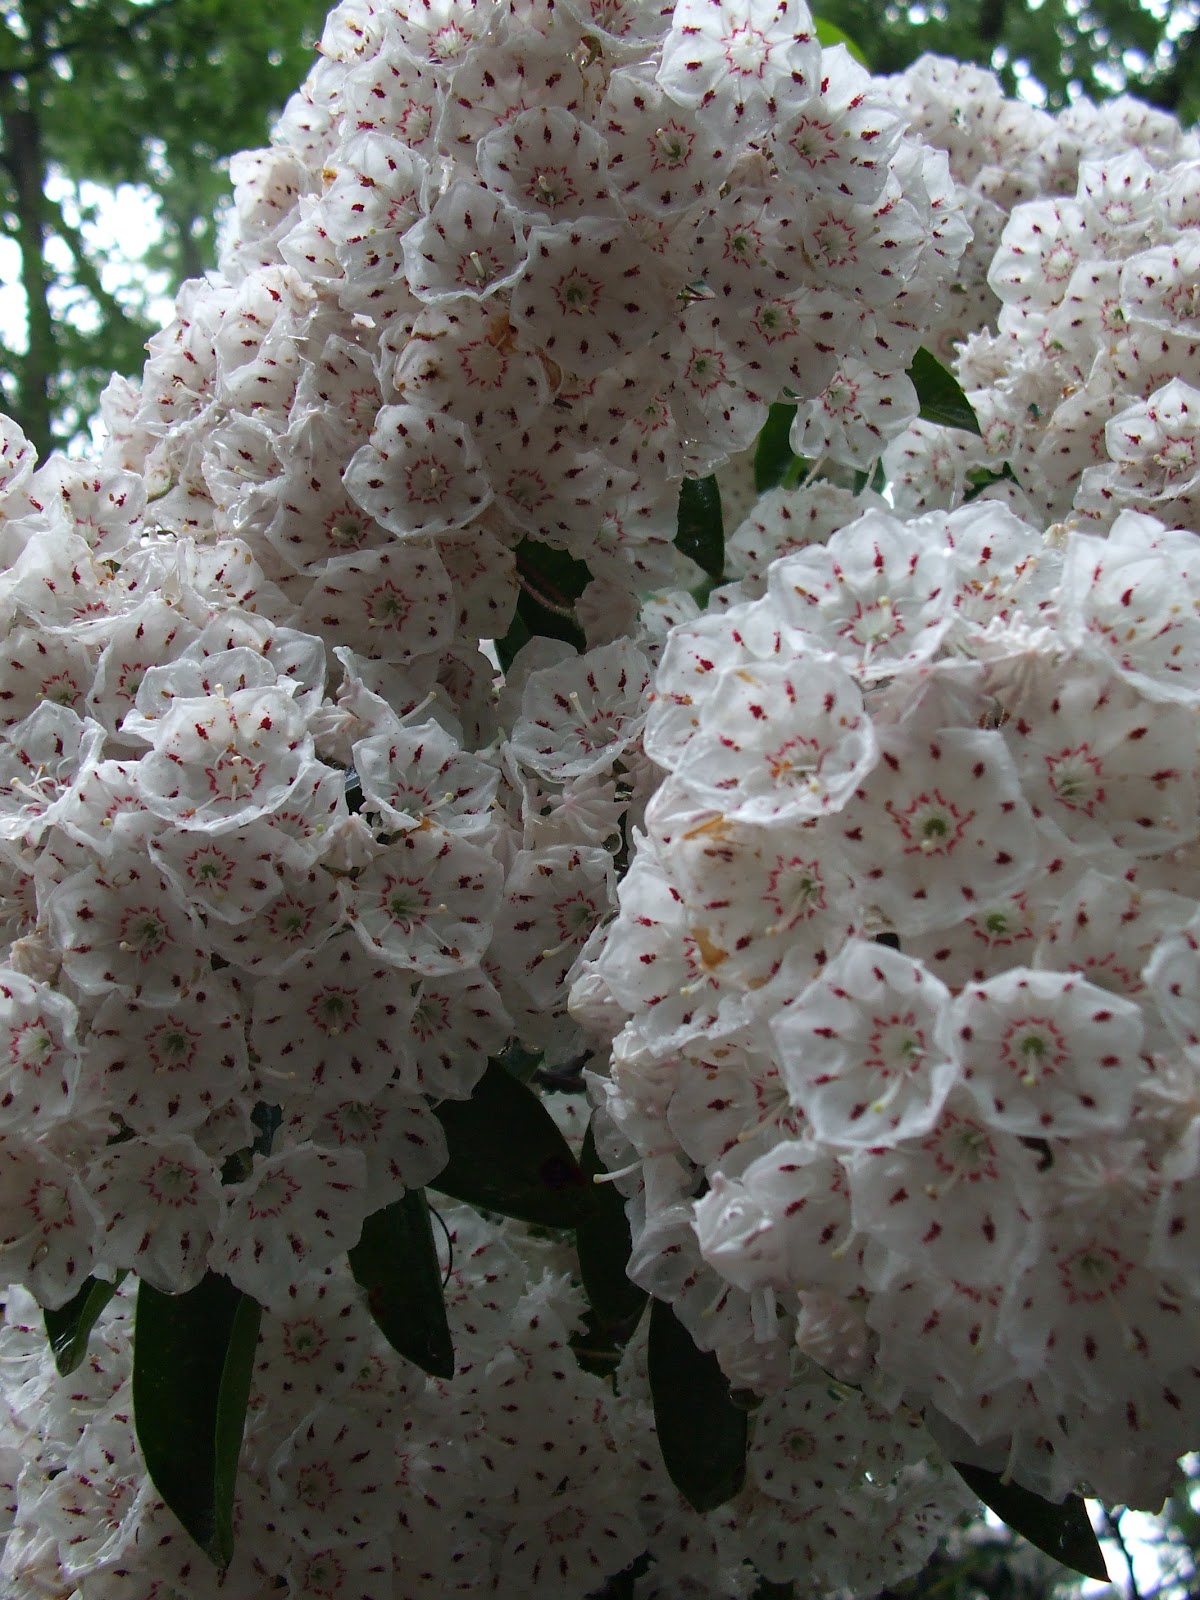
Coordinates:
[863,1049]
[297,1212]
[1047,1053]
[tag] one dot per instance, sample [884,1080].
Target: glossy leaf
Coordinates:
[700,531]
[701,1433]
[396,1262]
[940,394]
[773,455]
[604,1247]
[551,582]
[193,1356]
[828,33]
[981,478]
[233,1398]
[69,1328]
[1063,1531]
[507,1155]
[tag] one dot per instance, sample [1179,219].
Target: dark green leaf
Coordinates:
[621,1585]
[701,1433]
[396,1262]
[700,530]
[604,1246]
[1062,1531]
[773,454]
[519,1062]
[981,478]
[517,635]
[942,399]
[193,1355]
[551,582]
[830,34]
[507,1155]
[232,1400]
[69,1328]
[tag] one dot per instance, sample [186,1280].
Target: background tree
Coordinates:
[1059,49]
[150,92]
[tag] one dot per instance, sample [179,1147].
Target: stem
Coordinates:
[86,274]
[1112,1526]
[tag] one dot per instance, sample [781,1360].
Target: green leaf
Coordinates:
[621,1585]
[507,1155]
[828,34]
[981,478]
[518,1062]
[193,1356]
[942,399]
[551,582]
[773,454]
[396,1262]
[604,1247]
[232,1400]
[69,1328]
[517,635]
[1062,1531]
[701,1433]
[700,529]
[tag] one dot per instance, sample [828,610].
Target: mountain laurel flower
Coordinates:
[220,764]
[1047,1053]
[419,474]
[862,1049]
[428,902]
[296,1212]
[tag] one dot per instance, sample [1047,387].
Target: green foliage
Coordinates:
[701,1431]
[774,461]
[551,582]
[940,394]
[193,1357]
[604,1244]
[700,531]
[507,1155]
[1063,1531]
[396,1262]
[830,34]
[69,1328]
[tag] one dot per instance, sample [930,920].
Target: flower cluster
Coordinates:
[515,271]
[1005,152]
[890,983]
[254,925]
[243,883]
[1084,378]
[902,990]
[361,1477]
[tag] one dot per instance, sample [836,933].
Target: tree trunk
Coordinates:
[24,159]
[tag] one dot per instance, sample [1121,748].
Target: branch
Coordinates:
[86,274]
[1112,1527]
